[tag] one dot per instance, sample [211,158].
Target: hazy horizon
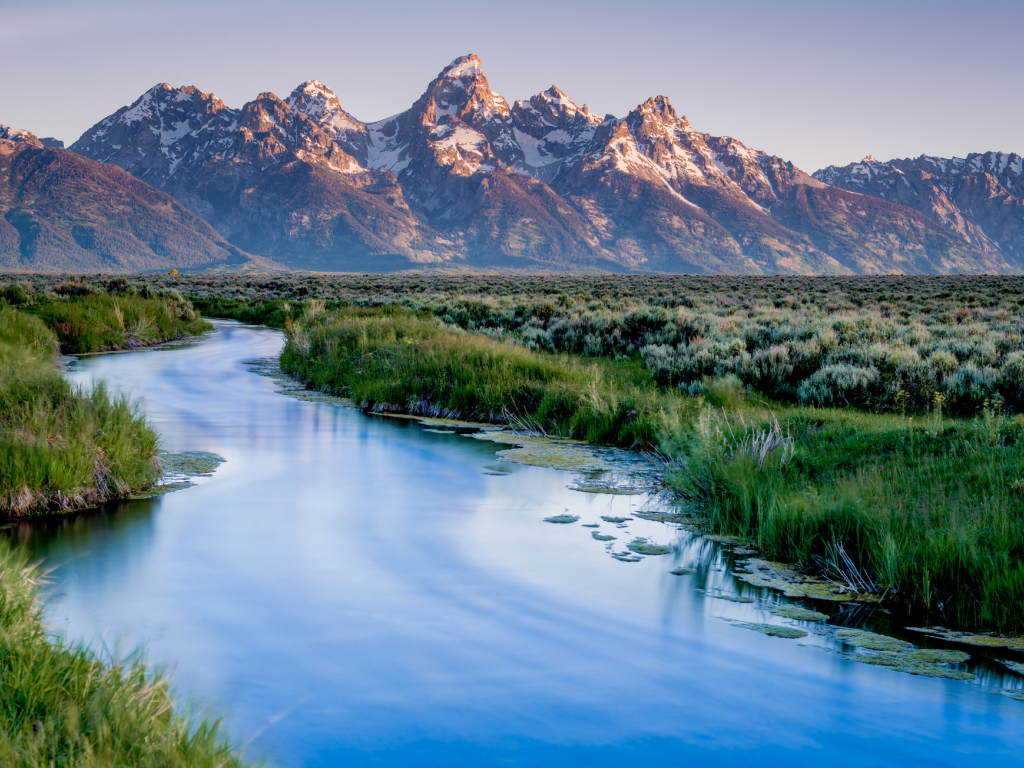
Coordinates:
[815,83]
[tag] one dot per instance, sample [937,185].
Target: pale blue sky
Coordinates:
[814,82]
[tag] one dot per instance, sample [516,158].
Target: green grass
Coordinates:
[105,322]
[930,511]
[62,448]
[273,312]
[390,360]
[62,705]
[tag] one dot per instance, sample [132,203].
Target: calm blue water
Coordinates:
[351,590]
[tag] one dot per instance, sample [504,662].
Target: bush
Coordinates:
[838,385]
[15,293]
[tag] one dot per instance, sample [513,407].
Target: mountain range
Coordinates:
[463,178]
[62,211]
[979,198]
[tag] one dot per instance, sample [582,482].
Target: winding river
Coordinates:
[354,590]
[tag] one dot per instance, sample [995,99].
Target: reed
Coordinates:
[928,512]
[62,448]
[64,705]
[99,322]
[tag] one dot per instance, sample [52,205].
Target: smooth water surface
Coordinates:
[355,590]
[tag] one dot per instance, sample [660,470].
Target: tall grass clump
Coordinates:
[928,510]
[62,705]
[390,360]
[62,448]
[98,322]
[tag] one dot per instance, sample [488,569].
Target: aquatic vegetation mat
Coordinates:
[772,630]
[798,613]
[734,598]
[682,571]
[644,547]
[789,581]
[626,557]
[899,655]
[627,473]
[1016,666]
[563,519]
[613,485]
[178,471]
[905,663]
[872,641]
[985,641]
[602,536]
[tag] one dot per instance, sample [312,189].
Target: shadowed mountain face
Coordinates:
[463,177]
[61,211]
[979,199]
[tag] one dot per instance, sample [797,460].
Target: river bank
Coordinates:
[921,512]
[362,590]
[65,448]
[62,448]
[63,704]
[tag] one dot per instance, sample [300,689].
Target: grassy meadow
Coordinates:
[868,429]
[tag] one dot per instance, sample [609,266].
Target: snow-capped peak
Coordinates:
[315,86]
[320,104]
[660,107]
[869,159]
[11,133]
[463,67]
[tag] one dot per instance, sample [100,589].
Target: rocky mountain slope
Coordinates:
[463,177]
[979,198]
[59,210]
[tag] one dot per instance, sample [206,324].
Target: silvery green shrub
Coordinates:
[969,388]
[840,384]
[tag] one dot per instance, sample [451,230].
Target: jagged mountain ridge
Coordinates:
[979,198]
[62,211]
[464,177]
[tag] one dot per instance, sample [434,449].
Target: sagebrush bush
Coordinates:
[838,385]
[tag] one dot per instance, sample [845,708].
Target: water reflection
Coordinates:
[363,591]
